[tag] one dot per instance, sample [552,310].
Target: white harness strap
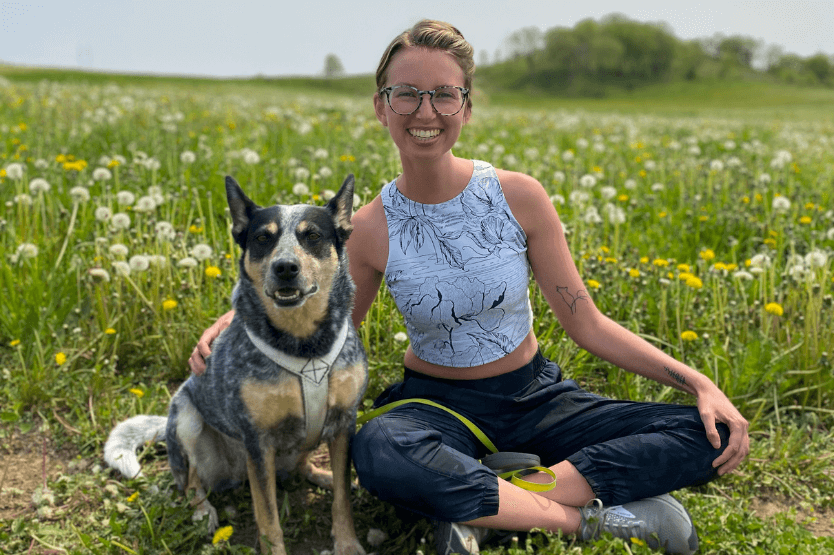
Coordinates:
[313,373]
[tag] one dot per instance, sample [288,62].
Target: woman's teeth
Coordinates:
[424,133]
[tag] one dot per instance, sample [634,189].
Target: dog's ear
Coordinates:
[341,208]
[241,208]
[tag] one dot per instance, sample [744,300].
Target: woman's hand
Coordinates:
[715,407]
[197,361]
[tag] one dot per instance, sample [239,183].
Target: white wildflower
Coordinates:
[657,187]
[630,184]
[830,234]
[608,192]
[760,261]
[578,197]
[742,275]
[729,145]
[764,178]
[781,204]
[557,199]
[164,231]
[300,189]
[125,198]
[79,194]
[733,162]
[327,194]
[694,150]
[27,250]
[145,204]
[591,216]
[816,259]
[325,172]
[188,157]
[41,164]
[158,260]
[202,251]
[102,174]
[120,220]
[582,143]
[716,165]
[251,157]
[559,177]
[568,155]
[99,273]
[301,173]
[187,262]
[320,153]
[616,215]
[400,337]
[796,271]
[118,249]
[139,263]
[23,199]
[121,267]
[650,165]
[39,185]
[14,171]
[587,181]
[103,214]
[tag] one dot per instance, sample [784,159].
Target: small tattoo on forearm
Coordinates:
[675,376]
[569,299]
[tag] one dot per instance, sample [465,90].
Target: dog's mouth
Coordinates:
[291,296]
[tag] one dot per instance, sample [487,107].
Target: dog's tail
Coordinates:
[127,437]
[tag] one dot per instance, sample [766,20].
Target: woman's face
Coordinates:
[425,133]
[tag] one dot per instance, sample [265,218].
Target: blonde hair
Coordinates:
[430,33]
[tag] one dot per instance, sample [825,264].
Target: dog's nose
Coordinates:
[285,269]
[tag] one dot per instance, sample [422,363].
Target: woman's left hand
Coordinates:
[715,407]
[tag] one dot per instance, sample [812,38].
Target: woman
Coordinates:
[456,240]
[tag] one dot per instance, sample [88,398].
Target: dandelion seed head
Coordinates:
[118,249]
[650,165]
[187,157]
[120,220]
[816,259]
[187,262]
[164,231]
[120,267]
[764,178]
[760,261]
[14,171]
[568,155]
[125,198]
[39,185]
[202,251]
[103,214]
[400,337]
[27,250]
[742,275]
[102,174]
[656,187]
[591,216]
[79,194]
[557,199]
[139,263]
[23,199]
[300,189]
[781,204]
[145,204]
[578,197]
[558,177]
[630,184]
[588,181]
[251,157]
[100,273]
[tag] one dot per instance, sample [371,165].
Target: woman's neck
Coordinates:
[434,182]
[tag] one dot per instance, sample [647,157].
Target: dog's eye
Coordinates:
[313,237]
[262,238]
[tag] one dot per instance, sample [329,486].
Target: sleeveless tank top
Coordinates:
[458,272]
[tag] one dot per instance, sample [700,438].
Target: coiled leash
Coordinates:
[507,465]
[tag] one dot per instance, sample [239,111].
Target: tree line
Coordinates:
[619,52]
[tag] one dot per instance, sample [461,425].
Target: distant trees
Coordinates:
[333,66]
[620,52]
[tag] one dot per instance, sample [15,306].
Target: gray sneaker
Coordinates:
[453,537]
[659,521]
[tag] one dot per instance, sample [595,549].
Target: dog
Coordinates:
[287,374]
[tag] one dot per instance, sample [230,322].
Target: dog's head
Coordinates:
[291,253]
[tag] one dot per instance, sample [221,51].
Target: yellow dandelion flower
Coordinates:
[113,163]
[644,260]
[110,331]
[593,284]
[773,233]
[643,173]
[136,391]
[316,197]
[638,541]
[732,266]
[60,358]
[707,254]
[14,343]
[689,335]
[610,260]
[745,200]
[683,267]
[759,197]
[774,308]
[634,272]
[169,304]
[694,282]
[60,158]
[622,198]
[770,242]
[222,534]
[134,496]
[703,218]
[805,220]
[213,271]
[720,266]
[660,262]
[195,229]
[810,206]
[605,249]
[683,276]
[662,215]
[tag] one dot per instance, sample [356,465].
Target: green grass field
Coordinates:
[701,217]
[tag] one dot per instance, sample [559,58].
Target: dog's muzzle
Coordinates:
[285,284]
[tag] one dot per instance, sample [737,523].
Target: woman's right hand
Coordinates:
[197,361]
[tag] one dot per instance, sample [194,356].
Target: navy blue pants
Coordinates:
[423,459]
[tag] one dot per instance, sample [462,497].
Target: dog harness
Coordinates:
[313,373]
[459,273]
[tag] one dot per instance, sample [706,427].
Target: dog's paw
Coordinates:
[203,510]
[348,547]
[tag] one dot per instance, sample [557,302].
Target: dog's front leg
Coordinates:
[344,532]
[262,484]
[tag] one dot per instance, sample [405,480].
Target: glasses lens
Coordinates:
[403,99]
[447,100]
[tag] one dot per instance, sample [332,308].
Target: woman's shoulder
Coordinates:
[519,187]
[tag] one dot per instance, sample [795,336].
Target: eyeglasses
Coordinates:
[406,100]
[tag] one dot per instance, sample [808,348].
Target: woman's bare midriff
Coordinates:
[523,354]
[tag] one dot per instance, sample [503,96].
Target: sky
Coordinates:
[243,38]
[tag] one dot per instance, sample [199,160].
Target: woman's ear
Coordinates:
[379,108]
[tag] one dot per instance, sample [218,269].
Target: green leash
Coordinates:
[511,466]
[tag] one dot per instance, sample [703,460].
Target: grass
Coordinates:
[700,220]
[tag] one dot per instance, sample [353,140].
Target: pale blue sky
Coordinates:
[245,37]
